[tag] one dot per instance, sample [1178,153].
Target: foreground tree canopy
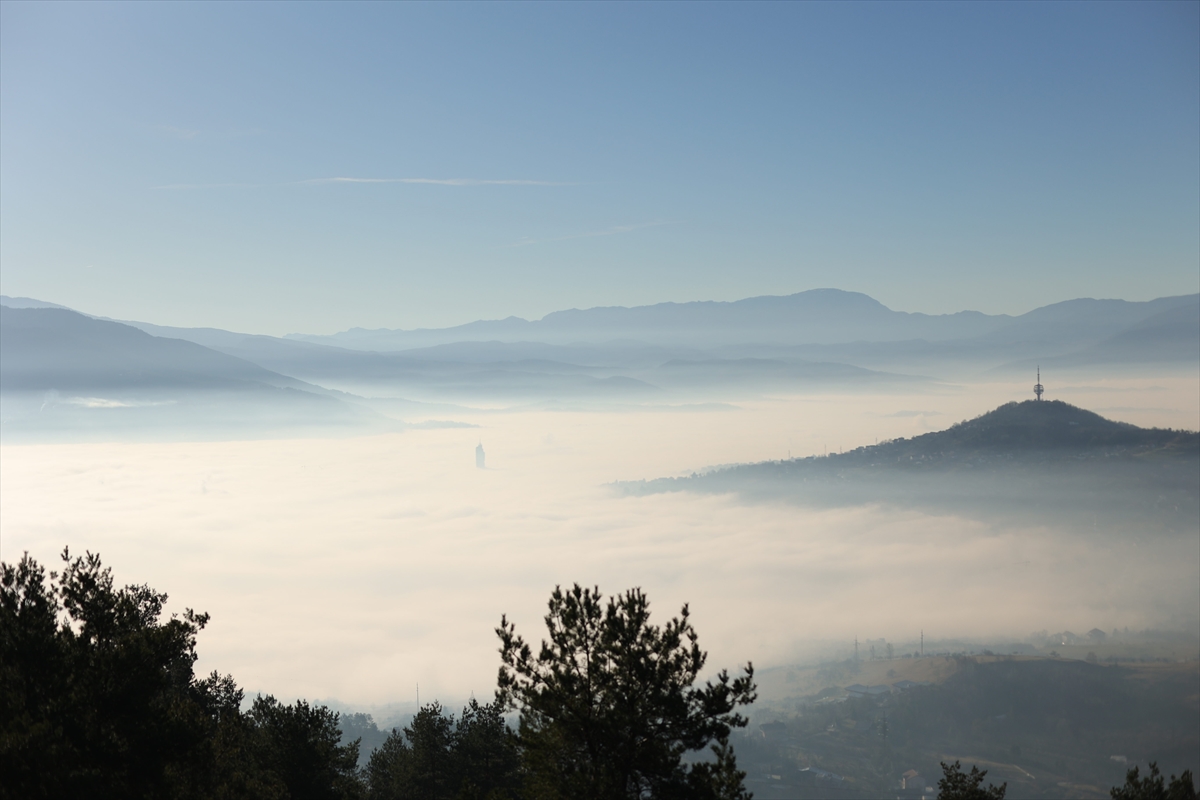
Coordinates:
[958,785]
[609,706]
[436,757]
[1154,787]
[98,699]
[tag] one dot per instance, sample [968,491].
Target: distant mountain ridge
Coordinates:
[817,315]
[715,349]
[815,318]
[56,349]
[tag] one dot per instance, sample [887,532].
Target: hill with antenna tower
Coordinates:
[1037,459]
[1014,433]
[1033,429]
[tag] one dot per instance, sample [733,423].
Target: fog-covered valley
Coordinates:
[325,504]
[387,539]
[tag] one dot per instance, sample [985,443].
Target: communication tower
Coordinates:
[1037,387]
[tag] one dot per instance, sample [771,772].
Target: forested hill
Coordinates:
[1038,430]
[1023,461]
[1015,433]
[1042,454]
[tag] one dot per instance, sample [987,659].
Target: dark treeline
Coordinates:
[436,757]
[98,699]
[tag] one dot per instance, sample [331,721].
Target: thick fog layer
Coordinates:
[356,568]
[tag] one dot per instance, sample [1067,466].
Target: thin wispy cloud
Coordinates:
[613,231]
[440,181]
[343,180]
[209,186]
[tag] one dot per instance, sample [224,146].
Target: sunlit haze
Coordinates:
[356,568]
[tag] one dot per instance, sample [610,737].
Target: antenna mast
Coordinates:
[1037,387]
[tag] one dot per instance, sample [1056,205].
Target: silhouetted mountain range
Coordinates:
[775,340]
[812,341]
[819,315]
[524,371]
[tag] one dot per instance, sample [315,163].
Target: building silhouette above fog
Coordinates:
[479,456]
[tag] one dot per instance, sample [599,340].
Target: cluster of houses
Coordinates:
[1066,638]
[881,689]
[914,786]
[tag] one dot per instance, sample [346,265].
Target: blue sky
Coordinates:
[184,163]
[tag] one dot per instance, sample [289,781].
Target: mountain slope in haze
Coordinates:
[27,302]
[52,348]
[1039,462]
[1170,336]
[464,371]
[1083,321]
[467,371]
[1075,334]
[64,372]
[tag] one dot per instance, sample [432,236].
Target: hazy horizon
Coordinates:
[454,323]
[312,168]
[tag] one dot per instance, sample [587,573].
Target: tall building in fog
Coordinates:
[479,455]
